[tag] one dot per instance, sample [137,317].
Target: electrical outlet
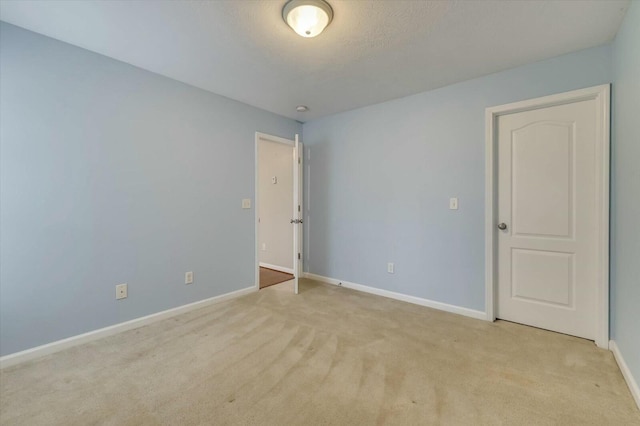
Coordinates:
[188,277]
[453,204]
[390,267]
[246,203]
[121,291]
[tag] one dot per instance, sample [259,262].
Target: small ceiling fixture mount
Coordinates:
[308,18]
[302,108]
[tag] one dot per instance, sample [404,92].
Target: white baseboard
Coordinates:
[403,297]
[626,373]
[276,268]
[49,348]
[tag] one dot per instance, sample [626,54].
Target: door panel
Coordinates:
[297,212]
[542,167]
[542,276]
[547,199]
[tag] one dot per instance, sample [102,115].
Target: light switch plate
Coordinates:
[453,204]
[246,203]
[188,277]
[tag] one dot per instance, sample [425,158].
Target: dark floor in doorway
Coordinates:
[270,277]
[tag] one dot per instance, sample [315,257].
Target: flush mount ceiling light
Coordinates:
[308,18]
[302,108]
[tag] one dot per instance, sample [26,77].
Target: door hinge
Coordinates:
[299,256]
[298,207]
[298,160]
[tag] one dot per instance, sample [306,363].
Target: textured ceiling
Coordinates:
[373,50]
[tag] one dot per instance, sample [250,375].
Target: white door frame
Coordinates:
[601,95]
[268,138]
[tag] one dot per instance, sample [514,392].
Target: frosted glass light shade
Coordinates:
[308,18]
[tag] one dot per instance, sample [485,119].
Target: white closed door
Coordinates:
[548,218]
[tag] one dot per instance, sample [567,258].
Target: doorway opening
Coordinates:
[278,224]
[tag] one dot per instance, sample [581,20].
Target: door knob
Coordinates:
[502,226]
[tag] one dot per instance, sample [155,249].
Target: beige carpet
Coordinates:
[327,356]
[269,277]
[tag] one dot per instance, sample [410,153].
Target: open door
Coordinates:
[268,148]
[298,212]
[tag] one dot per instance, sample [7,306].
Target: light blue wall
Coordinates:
[112,174]
[625,211]
[380,179]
